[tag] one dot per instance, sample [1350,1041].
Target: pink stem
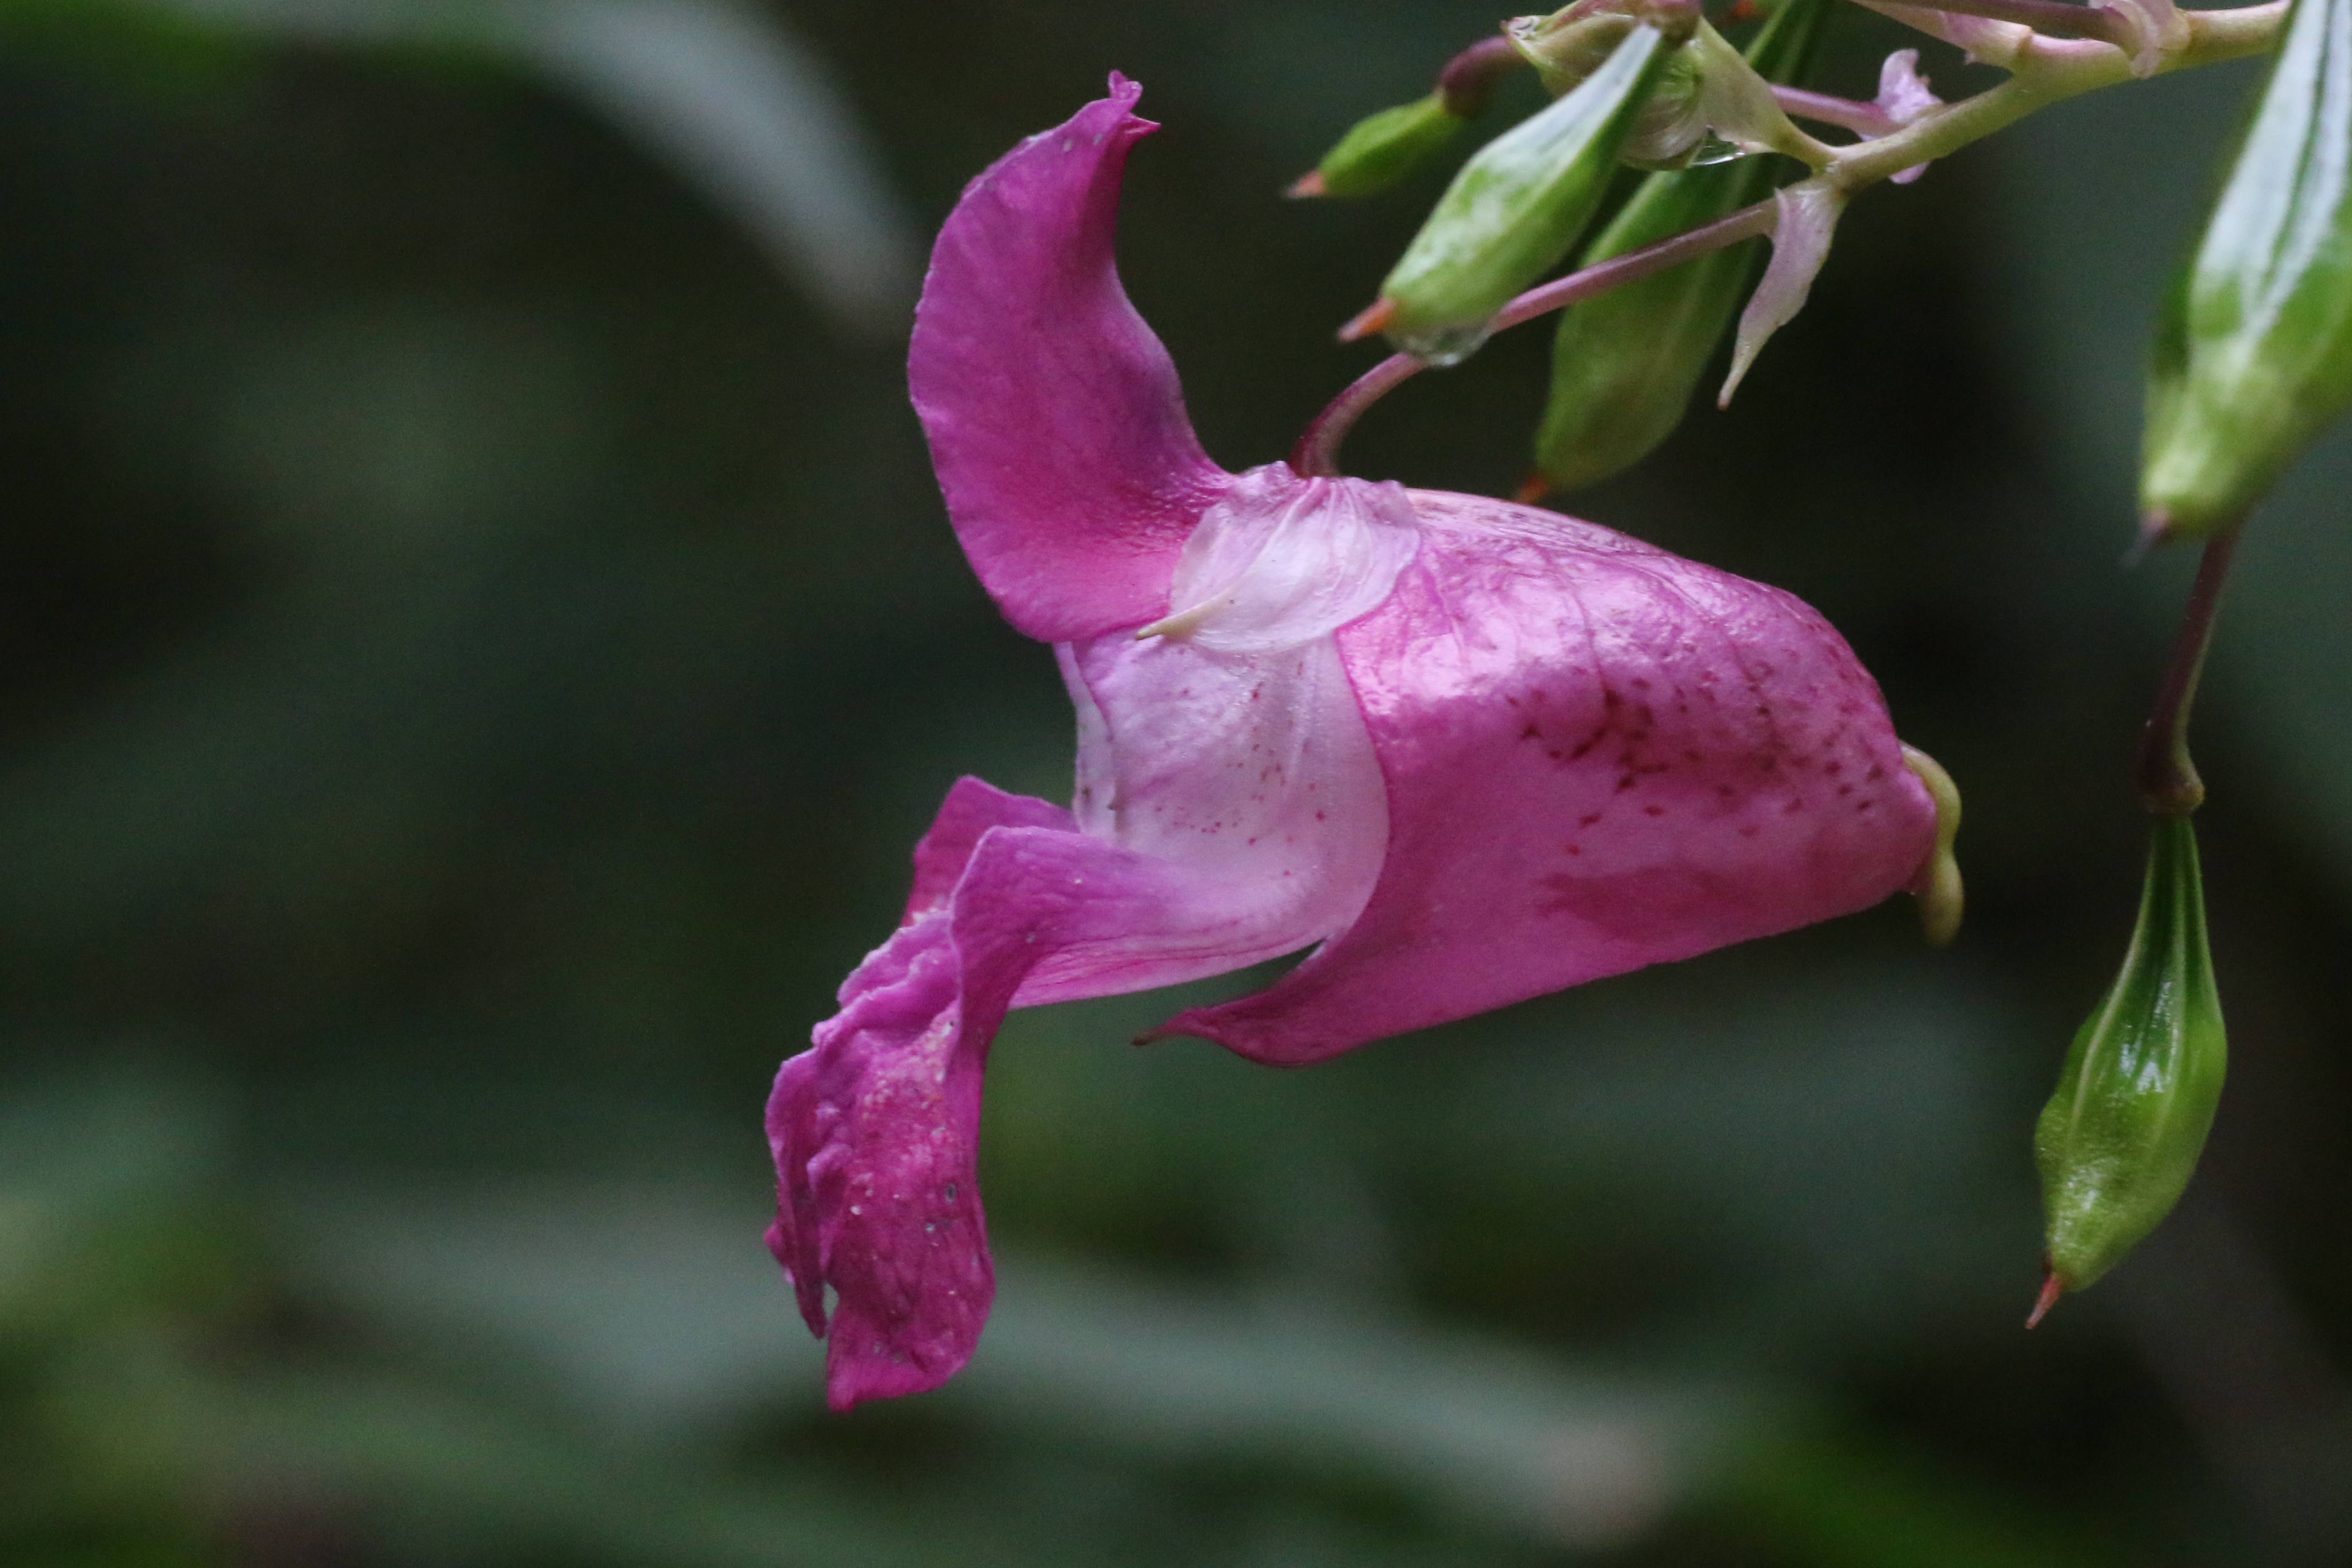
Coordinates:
[1316,455]
[2042,15]
[1862,119]
[1468,82]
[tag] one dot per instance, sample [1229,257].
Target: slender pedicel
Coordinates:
[1852,114]
[1468,82]
[2044,16]
[1316,455]
[2169,785]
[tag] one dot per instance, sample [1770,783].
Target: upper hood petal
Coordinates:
[1055,419]
[1597,755]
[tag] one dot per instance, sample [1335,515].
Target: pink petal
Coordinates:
[1903,95]
[1800,244]
[1056,420]
[1230,810]
[1903,92]
[973,807]
[873,1130]
[1979,39]
[1599,756]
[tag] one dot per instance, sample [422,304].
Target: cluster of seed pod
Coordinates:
[2253,359]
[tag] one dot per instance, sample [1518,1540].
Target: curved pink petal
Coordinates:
[1231,810]
[874,1131]
[973,807]
[1598,757]
[875,1128]
[1056,420]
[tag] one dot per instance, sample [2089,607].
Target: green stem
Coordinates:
[2044,72]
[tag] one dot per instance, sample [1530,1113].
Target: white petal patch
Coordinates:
[1281,561]
[1249,778]
[1225,743]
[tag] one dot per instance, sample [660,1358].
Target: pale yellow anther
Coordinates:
[1180,624]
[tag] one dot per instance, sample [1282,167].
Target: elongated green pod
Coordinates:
[1625,363]
[1518,205]
[2118,1140]
[2253,351]
[1383,149]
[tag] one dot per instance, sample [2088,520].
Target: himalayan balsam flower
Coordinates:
[1476,751]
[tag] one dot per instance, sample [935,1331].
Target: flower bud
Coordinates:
[2253,351]
[2118,1140]
[1516,206]
[1383,149]
[1624,363]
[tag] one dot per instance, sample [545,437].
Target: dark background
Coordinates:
[478,636]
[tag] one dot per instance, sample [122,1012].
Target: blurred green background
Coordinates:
[478,638]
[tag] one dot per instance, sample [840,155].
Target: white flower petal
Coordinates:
[1281,561]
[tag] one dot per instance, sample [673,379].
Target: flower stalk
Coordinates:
[1317,451]
[2042,15]
[1825,109]
[2168,784]
[2044,72]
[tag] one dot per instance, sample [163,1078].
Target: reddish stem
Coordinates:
[1316,455]
[2042,15]
[1468,82]
[2169,785]
[1863,119]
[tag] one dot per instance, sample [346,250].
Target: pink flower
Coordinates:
[1477,751]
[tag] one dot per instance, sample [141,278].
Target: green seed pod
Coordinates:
[2254,351]
[2118,1140]
[1383,149]
[1516,206]
[1624,363]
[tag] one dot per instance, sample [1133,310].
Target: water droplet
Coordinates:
[1714,149]
[1441,346]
